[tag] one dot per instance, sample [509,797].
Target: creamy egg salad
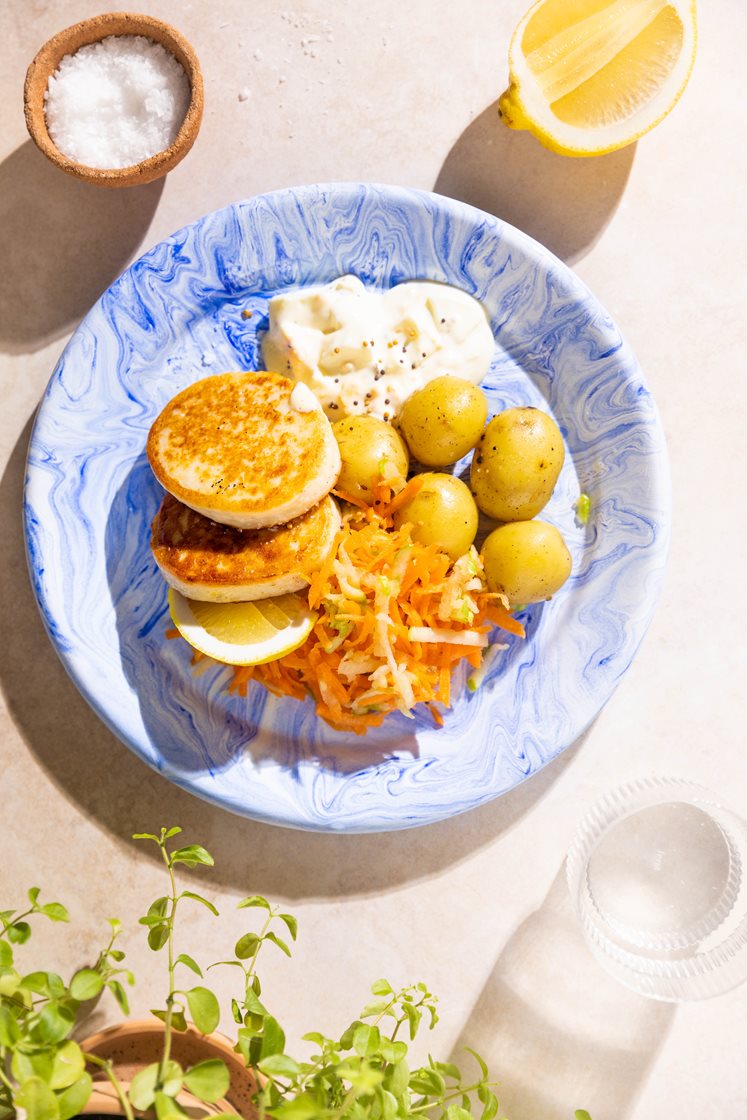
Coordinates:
[363,351]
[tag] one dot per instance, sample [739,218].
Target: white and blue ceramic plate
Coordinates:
[175,316]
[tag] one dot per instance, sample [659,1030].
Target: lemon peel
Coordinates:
[590,77]
[250,633]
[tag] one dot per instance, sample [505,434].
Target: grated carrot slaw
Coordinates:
[395,617]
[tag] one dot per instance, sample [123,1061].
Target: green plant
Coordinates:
[362,1075]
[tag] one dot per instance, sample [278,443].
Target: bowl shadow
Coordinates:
[110,785]
[563,202]
[85,233]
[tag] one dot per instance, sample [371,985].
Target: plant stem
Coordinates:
[111,1076]
[166,1055]
[250,970]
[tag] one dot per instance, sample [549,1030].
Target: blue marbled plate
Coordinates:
[175,316]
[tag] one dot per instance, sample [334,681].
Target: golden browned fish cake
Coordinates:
[205,560]
[245,449]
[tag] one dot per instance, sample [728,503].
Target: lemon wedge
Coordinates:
[243,633]
[589,76]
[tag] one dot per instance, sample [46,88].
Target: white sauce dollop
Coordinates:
[363,351]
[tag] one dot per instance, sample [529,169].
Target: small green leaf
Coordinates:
[456,1112]
[33,894]
[28,1066]
[302,1107]
[9,1029]
[167,1108]
[398,1078]
[38,1100]
[68,1064]
[236,1012]
[429,1082]
[278,941]
[86,984]
[18,933]
[254,900]
[449,1069]
[204,1009]
[55,911]
[144,836]
[120,995]
[246,946]
[280,1065]
[480,1061]
[143,1087]
[55,1023]
[414,1015]
[366,1040]
[491,1107]
[73,1100]
[6,954]
[192,855]
[393,1050]
[273,1038]
[158,908]
[157,937]
[292,924]
[382,988]
[178,1022]
[171,832]
[199,898]
[208,1080]
[184,958]
[582,1114]
[252,1004]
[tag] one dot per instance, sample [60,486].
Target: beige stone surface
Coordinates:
[405,93]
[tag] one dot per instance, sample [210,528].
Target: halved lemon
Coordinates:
[243,633]
[589,76]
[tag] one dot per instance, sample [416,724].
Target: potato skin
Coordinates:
[526,560]
[443,420]
[364,441]
[516,464]
[443,512]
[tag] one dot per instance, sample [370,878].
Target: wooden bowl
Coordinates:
[91,31]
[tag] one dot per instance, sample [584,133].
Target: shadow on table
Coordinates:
[563,202]
[558,1032]
[62,242]
[104,781]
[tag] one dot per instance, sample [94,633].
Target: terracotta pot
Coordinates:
[136,1044]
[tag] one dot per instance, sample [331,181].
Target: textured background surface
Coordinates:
[476,906]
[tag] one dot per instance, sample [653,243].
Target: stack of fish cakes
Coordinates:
[248,461]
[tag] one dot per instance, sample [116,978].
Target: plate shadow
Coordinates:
[563,202]
[92,231]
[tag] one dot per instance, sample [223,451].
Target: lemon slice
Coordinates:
[590,76]
[243,633]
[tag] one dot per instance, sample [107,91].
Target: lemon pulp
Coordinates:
[243,633]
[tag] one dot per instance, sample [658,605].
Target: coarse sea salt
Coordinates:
[116,102]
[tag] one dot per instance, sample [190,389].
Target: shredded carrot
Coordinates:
[360,663]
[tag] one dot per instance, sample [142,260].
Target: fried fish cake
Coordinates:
[245,449]
[205,560]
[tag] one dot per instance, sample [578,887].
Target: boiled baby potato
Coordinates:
[516,464]
[526,560]
[443,420]
[365,443]
[443,512]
